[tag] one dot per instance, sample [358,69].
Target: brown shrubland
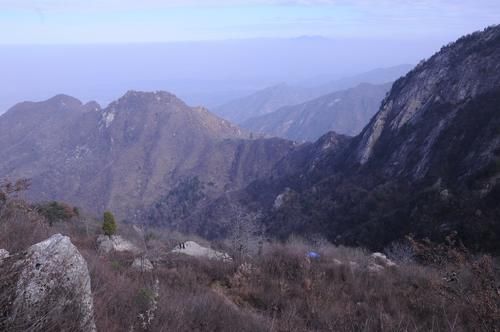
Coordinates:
[433,288]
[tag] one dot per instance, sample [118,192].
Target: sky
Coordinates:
[151,21]
[211,51]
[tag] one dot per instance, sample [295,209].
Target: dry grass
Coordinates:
[278,290]
[282,290]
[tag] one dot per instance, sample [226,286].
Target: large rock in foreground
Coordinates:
[46,288]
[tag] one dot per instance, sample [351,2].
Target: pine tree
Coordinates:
[109,224]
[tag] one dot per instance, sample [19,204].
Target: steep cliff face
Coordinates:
[455,89]
[128,155]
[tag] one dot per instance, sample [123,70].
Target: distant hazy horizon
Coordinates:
[201,73]
[208,52]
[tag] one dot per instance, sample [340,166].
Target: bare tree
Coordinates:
[246,236]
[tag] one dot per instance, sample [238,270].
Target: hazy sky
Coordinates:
[237,46]
[118,21]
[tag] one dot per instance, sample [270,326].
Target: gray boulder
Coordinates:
[49,288]
[375,268]
[381,259]
[142,264]
[3,255]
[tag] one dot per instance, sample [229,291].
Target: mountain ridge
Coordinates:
[129,154]
[345,112]
[270,99]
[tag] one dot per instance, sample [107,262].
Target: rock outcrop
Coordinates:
[192,248]
[404,138]
[48,288]
[381,259]
[3,255]
[107,244]
[142,264]
[379,262]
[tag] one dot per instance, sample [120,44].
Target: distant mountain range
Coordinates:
[273,98]
[264,102]
[208,73]
[345,112]
[375,76]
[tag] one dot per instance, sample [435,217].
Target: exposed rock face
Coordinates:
[192,248]
[52,281]
[382,260]
[281,198]
[375,268]
[424,106]
[345,112]
[129,155]
[3,255]
[106,244]
[142,264]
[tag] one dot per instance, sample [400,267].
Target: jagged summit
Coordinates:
[148,96]
[140,99]
[136,108]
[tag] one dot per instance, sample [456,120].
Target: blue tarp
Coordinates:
[313,254]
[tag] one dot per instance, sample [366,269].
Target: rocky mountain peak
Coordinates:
[330,140]
[92,106]
[65,101]
[135,100]
[459,72]
[156,96]
[147,142]
[140,109]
